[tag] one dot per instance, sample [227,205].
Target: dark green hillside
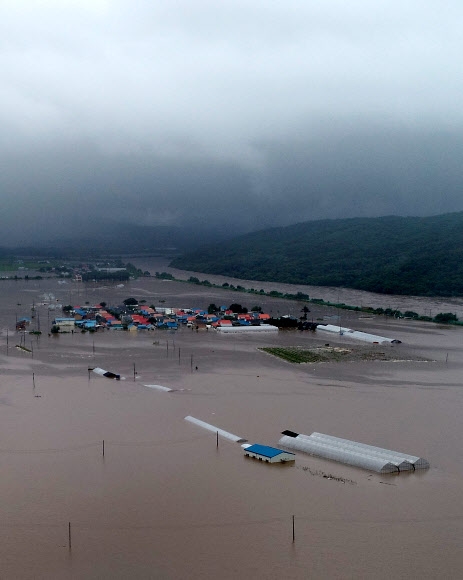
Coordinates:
[392,255]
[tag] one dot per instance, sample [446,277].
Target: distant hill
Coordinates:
[390,255]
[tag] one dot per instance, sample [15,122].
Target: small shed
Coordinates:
[268,454]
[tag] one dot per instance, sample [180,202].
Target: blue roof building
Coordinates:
[268,454]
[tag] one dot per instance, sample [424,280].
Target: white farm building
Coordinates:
[357,334]
[214,429]
[247,329]
[65,324]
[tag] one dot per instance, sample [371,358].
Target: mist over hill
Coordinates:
[121,239]
[392,255]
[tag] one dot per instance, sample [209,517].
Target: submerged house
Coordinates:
[87,324]
[65,324]
[22,323]
[268,454]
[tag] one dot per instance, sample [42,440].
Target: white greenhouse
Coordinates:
[357,334]
[107,374]
[246,329]
[214,429]
[352,453]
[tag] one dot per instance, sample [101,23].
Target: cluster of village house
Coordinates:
[147,318]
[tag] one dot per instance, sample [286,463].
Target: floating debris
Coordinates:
[329,476]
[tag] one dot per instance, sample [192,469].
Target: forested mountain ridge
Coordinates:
[391,255]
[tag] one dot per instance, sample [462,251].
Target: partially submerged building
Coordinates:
[247,329]
[352,453]
[107,374]
[147,318]
[217,430]
[268,454]
[357,334]
[22,323]
[65,324]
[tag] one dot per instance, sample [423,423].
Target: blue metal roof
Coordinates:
[266,451]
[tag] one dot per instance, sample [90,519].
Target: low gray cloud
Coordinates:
[233,114]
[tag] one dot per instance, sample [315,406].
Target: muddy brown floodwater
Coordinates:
[165,502]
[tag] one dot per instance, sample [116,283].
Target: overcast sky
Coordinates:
[244,113]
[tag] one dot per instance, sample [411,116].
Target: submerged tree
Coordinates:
[130,302]
[238,309]
[445,317]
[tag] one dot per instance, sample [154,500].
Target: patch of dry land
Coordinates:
[320,354]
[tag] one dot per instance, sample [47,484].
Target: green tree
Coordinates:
[131,302]
[411,314]
[237,308]
[445,317]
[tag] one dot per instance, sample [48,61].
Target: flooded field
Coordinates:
[165,502]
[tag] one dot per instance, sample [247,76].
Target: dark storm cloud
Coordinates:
[240,113]
[365,172]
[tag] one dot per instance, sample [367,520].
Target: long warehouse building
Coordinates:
[247,329]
